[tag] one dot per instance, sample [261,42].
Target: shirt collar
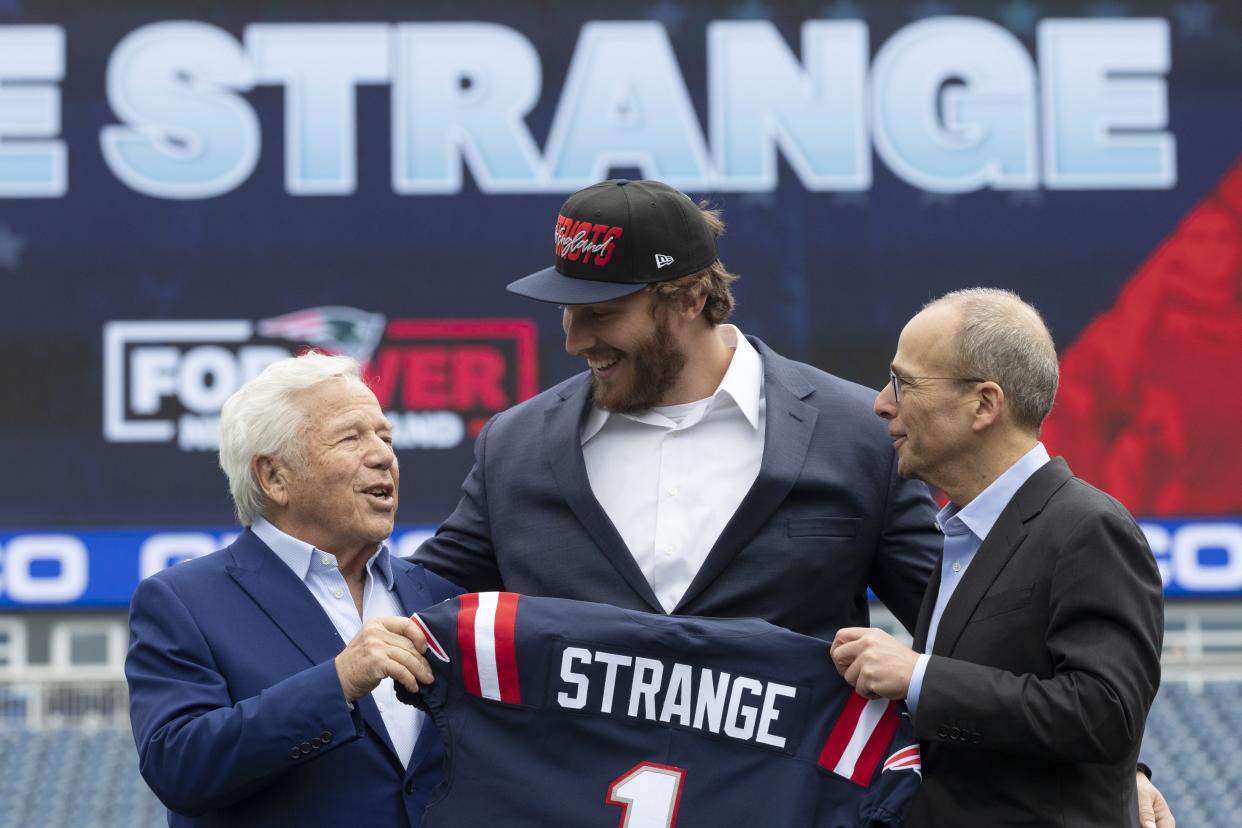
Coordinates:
[298,554]
[742,384]
[743,381]
[981,514]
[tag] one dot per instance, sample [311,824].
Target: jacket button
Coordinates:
[305,748]
[955,733]
[294,753]
[409,787]
[316,743]
[326,736]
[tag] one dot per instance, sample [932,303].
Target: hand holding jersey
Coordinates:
[560,712]
[238,685]
[1040,631]
[874,663]
[389,647]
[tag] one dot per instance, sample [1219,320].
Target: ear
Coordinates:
[692,303]
[273,478]
[988,406]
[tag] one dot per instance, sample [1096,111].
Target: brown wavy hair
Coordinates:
[713,281]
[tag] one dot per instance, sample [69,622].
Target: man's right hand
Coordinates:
[383,648]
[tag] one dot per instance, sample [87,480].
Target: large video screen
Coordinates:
[190,190]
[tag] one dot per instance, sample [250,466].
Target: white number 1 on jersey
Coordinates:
[649,794]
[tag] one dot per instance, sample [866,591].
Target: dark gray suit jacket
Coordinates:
[826,517]
[1045,664]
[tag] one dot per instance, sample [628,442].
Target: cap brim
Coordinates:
[552,286]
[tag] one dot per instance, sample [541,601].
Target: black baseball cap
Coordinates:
[615,238]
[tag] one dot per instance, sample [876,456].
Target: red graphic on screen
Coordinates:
[1150,402]
[475,367]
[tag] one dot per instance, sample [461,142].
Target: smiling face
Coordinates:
[931,426]
[341,494]
[634,355]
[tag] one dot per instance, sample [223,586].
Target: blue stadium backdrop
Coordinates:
[189,190]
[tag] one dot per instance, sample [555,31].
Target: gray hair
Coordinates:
[262,418]
[1004,339]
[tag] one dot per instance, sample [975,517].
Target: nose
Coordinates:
[578,334]
[885,406]
[380,454]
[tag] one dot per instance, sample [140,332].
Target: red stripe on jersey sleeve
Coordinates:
[467,608]
[873,751]
[842,731]
[506,648]
[436,648]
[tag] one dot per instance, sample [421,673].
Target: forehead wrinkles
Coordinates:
[325,408]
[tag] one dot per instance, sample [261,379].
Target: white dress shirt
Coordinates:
[671,477]
[318,570]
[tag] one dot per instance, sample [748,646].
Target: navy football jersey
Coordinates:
[565,713]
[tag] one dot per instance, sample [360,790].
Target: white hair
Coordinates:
[262,418]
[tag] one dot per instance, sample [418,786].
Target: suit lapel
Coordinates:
[407,580]
[562,448]
[1007,534]
[995,551]
[293,609]
[285,599]
[790,422]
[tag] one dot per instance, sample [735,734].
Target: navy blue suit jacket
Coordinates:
[236,707]
[826,518]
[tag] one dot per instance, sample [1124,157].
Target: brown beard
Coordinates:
[655,366]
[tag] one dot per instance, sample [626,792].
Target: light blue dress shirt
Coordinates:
[319,571]
[965,529]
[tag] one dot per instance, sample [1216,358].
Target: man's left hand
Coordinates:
[1153,810]
[874,663]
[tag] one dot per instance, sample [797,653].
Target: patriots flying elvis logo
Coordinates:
[338,329]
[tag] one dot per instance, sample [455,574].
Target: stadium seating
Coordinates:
[86,779]
[89,778]
[1192,743]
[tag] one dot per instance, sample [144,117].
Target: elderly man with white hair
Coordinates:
[262,676]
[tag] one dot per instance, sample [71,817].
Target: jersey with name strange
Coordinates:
[566,713]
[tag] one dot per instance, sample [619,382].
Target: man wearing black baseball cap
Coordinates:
[642,290]
[616,237]
[690,470]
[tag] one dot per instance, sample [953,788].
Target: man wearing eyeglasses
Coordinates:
[1037,648]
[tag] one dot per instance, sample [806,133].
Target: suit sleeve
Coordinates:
[461,550]
[197,748]
[1104,633]
[908,548]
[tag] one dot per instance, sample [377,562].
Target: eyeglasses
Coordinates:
[892,379]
